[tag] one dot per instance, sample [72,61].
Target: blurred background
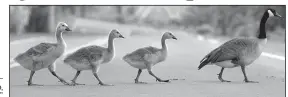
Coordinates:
[228,21]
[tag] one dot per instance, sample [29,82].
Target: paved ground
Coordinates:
[183,59]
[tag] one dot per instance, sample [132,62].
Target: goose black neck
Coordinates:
[262,32]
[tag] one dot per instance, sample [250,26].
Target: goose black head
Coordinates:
[116,34]
[63,27]
[272,13]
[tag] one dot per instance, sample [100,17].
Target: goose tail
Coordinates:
[17,58]
[125,58]
[12,61]
[209,58]
[67,59]
[204,62]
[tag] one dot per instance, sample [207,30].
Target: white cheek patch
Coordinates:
[65,25]
[270,13]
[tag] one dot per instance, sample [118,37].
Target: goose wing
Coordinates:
[230,50]
[86,54]
[145,54]
[41,49]
[138,55]
[95,52]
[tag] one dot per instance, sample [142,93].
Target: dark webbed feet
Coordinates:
[102,84]
[63,81]
[31,84]
[160,80]
[221,79]
[247,81]
[73,83]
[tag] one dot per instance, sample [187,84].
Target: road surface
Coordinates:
[183,59]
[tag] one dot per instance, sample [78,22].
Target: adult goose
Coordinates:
[91,57]
[147,57]
[44,55]
[239,51]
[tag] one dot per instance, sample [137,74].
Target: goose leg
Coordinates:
[137,78]
[152,74]
[95,69]
[245,77]
[52,70]
[220,76]
[75,78]
[30,80]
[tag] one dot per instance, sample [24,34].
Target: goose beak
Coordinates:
[278,15]
[68,29]
[174,38]
[121,36]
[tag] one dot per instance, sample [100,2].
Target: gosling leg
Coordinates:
[30,83]
[95,69]
[137,78]
[152,74]
[75,78]
[52,70]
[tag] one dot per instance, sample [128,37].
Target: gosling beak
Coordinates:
[68,29]
[121,36]
[174,38]
[278,15]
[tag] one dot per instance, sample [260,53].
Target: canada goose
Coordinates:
[239,51]
[90,57]
[147,57]
[44,55]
